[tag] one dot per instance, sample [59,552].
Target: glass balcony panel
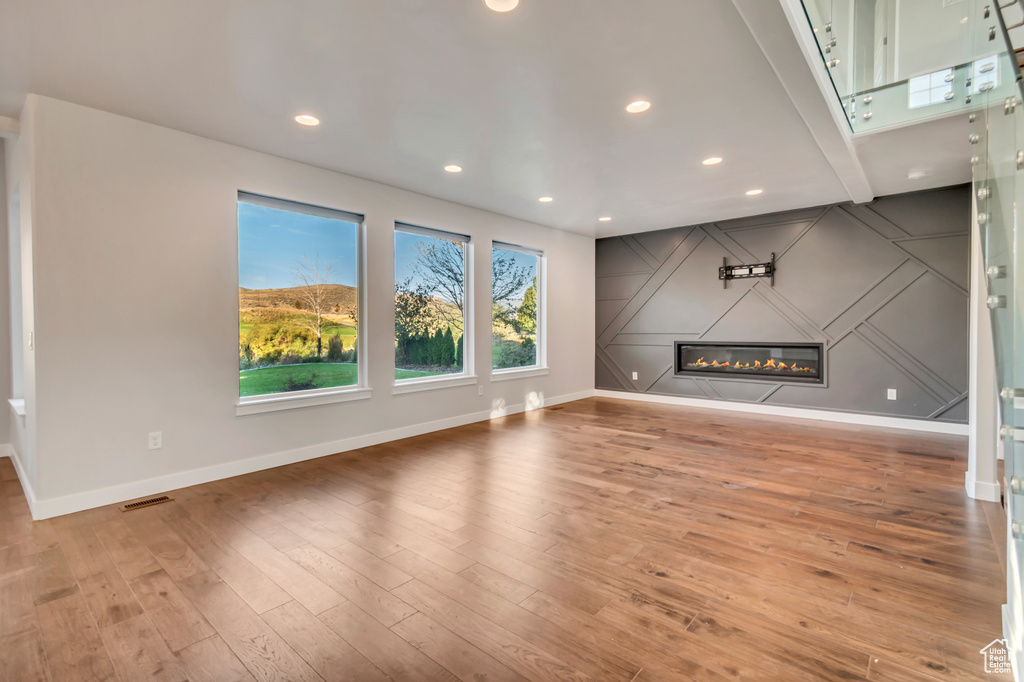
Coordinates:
[893,63]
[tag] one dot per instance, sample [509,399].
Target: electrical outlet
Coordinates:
[156,440]
[635,376]
[479,390]
[891,394]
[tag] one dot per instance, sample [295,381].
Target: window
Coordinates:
[516,296]
[298,297]
[430,302]
[931,88]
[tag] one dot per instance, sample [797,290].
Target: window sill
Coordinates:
[18,408]
[518,373]
[432,383]
[276,403]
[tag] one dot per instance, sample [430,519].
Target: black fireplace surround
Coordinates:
[796,362]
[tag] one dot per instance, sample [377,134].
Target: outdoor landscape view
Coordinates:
[430,298]
[514,308]
[430,281]
[297,300]
[298,309]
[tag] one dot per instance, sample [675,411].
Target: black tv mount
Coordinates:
[727,272]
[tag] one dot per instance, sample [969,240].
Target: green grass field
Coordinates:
[266,380]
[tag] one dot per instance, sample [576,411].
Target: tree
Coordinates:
[507,278]
[458,352]
[335,349]
[313,278]
[440,267]
[411,320]
[420,353]
[437,348]
[503,314]
[448,356]
[526,316]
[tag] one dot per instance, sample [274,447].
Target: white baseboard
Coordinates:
[981,490]
[930,426]
[58,506]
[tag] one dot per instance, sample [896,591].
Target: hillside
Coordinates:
[344,297]
[278,305]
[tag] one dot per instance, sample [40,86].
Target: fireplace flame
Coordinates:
[770,364]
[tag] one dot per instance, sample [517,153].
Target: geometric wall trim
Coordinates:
[882,285]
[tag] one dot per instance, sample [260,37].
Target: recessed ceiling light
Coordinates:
[754,192]
[916,174]
[712,160]
[964,20]
[546,200]
[307,120]
[605,219]
[502,5]
[638,107]
[452,168]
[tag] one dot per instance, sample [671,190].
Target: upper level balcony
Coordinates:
[897,62]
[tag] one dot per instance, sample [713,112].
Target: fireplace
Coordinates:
[798,362]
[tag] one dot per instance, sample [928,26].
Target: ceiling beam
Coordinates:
[777,30]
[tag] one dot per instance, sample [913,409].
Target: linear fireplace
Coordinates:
[799,362]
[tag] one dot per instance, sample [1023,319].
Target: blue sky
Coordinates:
[405,254]
[270,241]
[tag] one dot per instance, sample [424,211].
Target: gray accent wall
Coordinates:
[883,285]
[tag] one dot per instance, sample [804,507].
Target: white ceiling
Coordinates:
[530,103]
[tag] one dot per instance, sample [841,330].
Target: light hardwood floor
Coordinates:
[601,539]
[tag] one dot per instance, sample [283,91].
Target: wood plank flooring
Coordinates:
[596,540]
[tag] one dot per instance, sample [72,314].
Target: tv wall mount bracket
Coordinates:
[727,272]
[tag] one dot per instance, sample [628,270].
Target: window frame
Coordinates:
[273,402]
[540,368]
[468,374]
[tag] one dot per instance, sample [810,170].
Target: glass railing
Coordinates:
[893,63]
[997,139]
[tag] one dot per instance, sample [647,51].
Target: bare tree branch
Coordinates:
[507,279]
[313,279]
[440,266]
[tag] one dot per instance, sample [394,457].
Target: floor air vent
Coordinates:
[139,504]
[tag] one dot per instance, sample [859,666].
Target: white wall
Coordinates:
[18,162]
[5,337]
[134,250]
[930,37]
